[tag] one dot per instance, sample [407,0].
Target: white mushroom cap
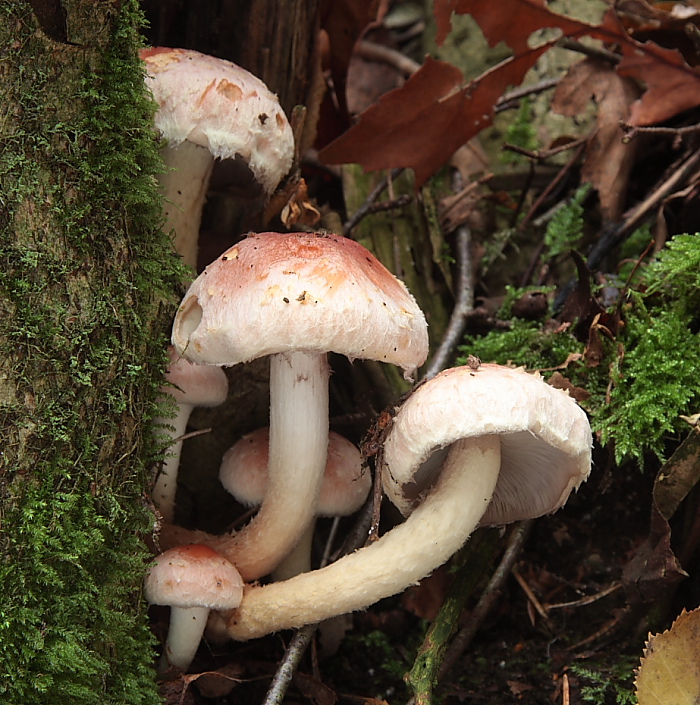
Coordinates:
[218,105]
[345,485]
[479,417]
[196,385]
[313,292]
[545,439]
[193,576]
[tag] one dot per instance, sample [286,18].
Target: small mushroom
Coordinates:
[191,580]
[294,297]
[344,488]
[191,386]
[471,446]
[209,109]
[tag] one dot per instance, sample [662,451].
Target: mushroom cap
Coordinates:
[196,385]
[545,439]
[193,576]
[345,484]
[222,107]
[311,292]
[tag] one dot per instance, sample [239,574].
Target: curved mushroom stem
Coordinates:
[184,634]
[298,560]
[185,183]
[435,531]
[298,446]
[165,487]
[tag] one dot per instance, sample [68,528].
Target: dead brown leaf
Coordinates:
[654,568]
[511,21]
[608,158]
[679,474]
[558,381]
[314,690]
[422,123]
[344,22]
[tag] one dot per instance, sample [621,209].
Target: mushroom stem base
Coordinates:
[184,634]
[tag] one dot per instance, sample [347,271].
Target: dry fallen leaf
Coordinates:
[609,158]
[422,123]
[669,673]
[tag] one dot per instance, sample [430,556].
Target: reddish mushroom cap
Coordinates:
[345,484]
[312,292]
[193,576]
[221,106]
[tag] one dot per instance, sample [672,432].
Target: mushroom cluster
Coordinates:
[474,445]
[294,297]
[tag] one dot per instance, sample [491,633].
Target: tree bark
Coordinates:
[87,286]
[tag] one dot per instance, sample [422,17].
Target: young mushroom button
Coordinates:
[191,580]
[344,488]
[470,446]
[294,297]
[209,109]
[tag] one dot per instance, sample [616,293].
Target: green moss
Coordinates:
[647,377]
[86,291]
[520,133]
[565,229]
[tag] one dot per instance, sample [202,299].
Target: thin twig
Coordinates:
[463,304]
[531,596]
[510,100]
[589,599]
[302,637]
[631,131]
[462,640]
[364,209]
[541,154]
[289,664]
[383,54]
[594,52]
[614,234]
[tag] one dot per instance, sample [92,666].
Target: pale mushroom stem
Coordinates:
[184,634]
[298,560]
[185,183]
[297,459]
[435,531]
[165,487]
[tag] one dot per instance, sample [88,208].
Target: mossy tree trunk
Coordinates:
[87,285]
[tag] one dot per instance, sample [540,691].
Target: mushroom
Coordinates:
[344,488]
[191,386]
[209,109]
[294,297]
[469,447]
[191,580]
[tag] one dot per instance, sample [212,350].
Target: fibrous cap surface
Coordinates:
[193,576]
[345,483]
[218,105]
[311,292]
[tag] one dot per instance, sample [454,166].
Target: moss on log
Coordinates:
[87,286]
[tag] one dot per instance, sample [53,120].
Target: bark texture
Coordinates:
[87,286]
